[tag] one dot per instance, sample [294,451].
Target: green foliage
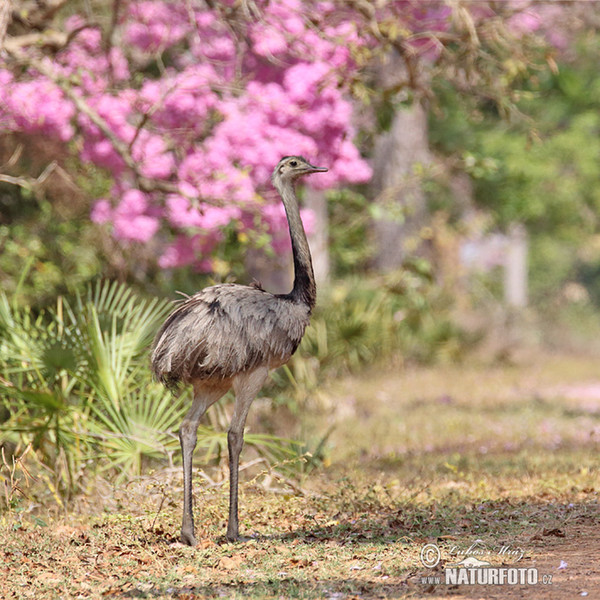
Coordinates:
[587,268]
[360,322]
[75,383]
[52,239]
[541,171]
[73,379]
[548,185]
[349,224]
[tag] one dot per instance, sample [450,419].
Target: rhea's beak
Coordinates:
[313,169]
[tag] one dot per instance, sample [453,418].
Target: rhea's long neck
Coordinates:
[304,289]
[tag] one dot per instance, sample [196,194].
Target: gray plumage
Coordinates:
[230,336]
[225,330]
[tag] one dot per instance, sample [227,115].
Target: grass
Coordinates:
[451,455]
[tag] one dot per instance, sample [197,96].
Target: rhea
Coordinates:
[229,336]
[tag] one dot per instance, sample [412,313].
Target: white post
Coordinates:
[515,267]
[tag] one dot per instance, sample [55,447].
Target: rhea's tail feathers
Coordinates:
[163,369]
[172,381]
[168,361]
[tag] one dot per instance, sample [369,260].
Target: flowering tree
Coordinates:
[191,144]
[188,105]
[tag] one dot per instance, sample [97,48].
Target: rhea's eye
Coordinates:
[293,163]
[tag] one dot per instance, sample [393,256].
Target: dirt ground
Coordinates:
[96,562]
[447,456]
[566,555]
[568,566]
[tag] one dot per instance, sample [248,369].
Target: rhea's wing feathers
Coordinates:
[224,330]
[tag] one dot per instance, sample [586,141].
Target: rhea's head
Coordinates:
[290,168]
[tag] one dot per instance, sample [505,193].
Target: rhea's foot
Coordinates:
[187,537]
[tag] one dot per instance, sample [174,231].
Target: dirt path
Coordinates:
[567,564]
[548,412]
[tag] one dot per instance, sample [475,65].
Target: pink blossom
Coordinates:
[219,111]
[181,214]
[189,250]
[527,21]
[74,22]
[131,218]
[155,25]
[178,254]
[540,18]
[268,41]
[119,64]
[139,228]
[101,211]
[153,157]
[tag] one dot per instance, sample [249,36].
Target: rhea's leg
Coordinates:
[204,397]
[245,386]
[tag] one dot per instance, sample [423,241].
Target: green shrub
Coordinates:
[75,383]
[359,322]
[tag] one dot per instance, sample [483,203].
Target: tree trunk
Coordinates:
[5,18]
[400,202]
[274,273]
[318,239]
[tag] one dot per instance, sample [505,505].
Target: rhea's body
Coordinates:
[226,330]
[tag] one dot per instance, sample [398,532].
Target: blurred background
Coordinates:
[458,223]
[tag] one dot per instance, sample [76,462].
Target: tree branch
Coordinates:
[23,182]
[34,184]
[35,14]
[144,183]
[109,38]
